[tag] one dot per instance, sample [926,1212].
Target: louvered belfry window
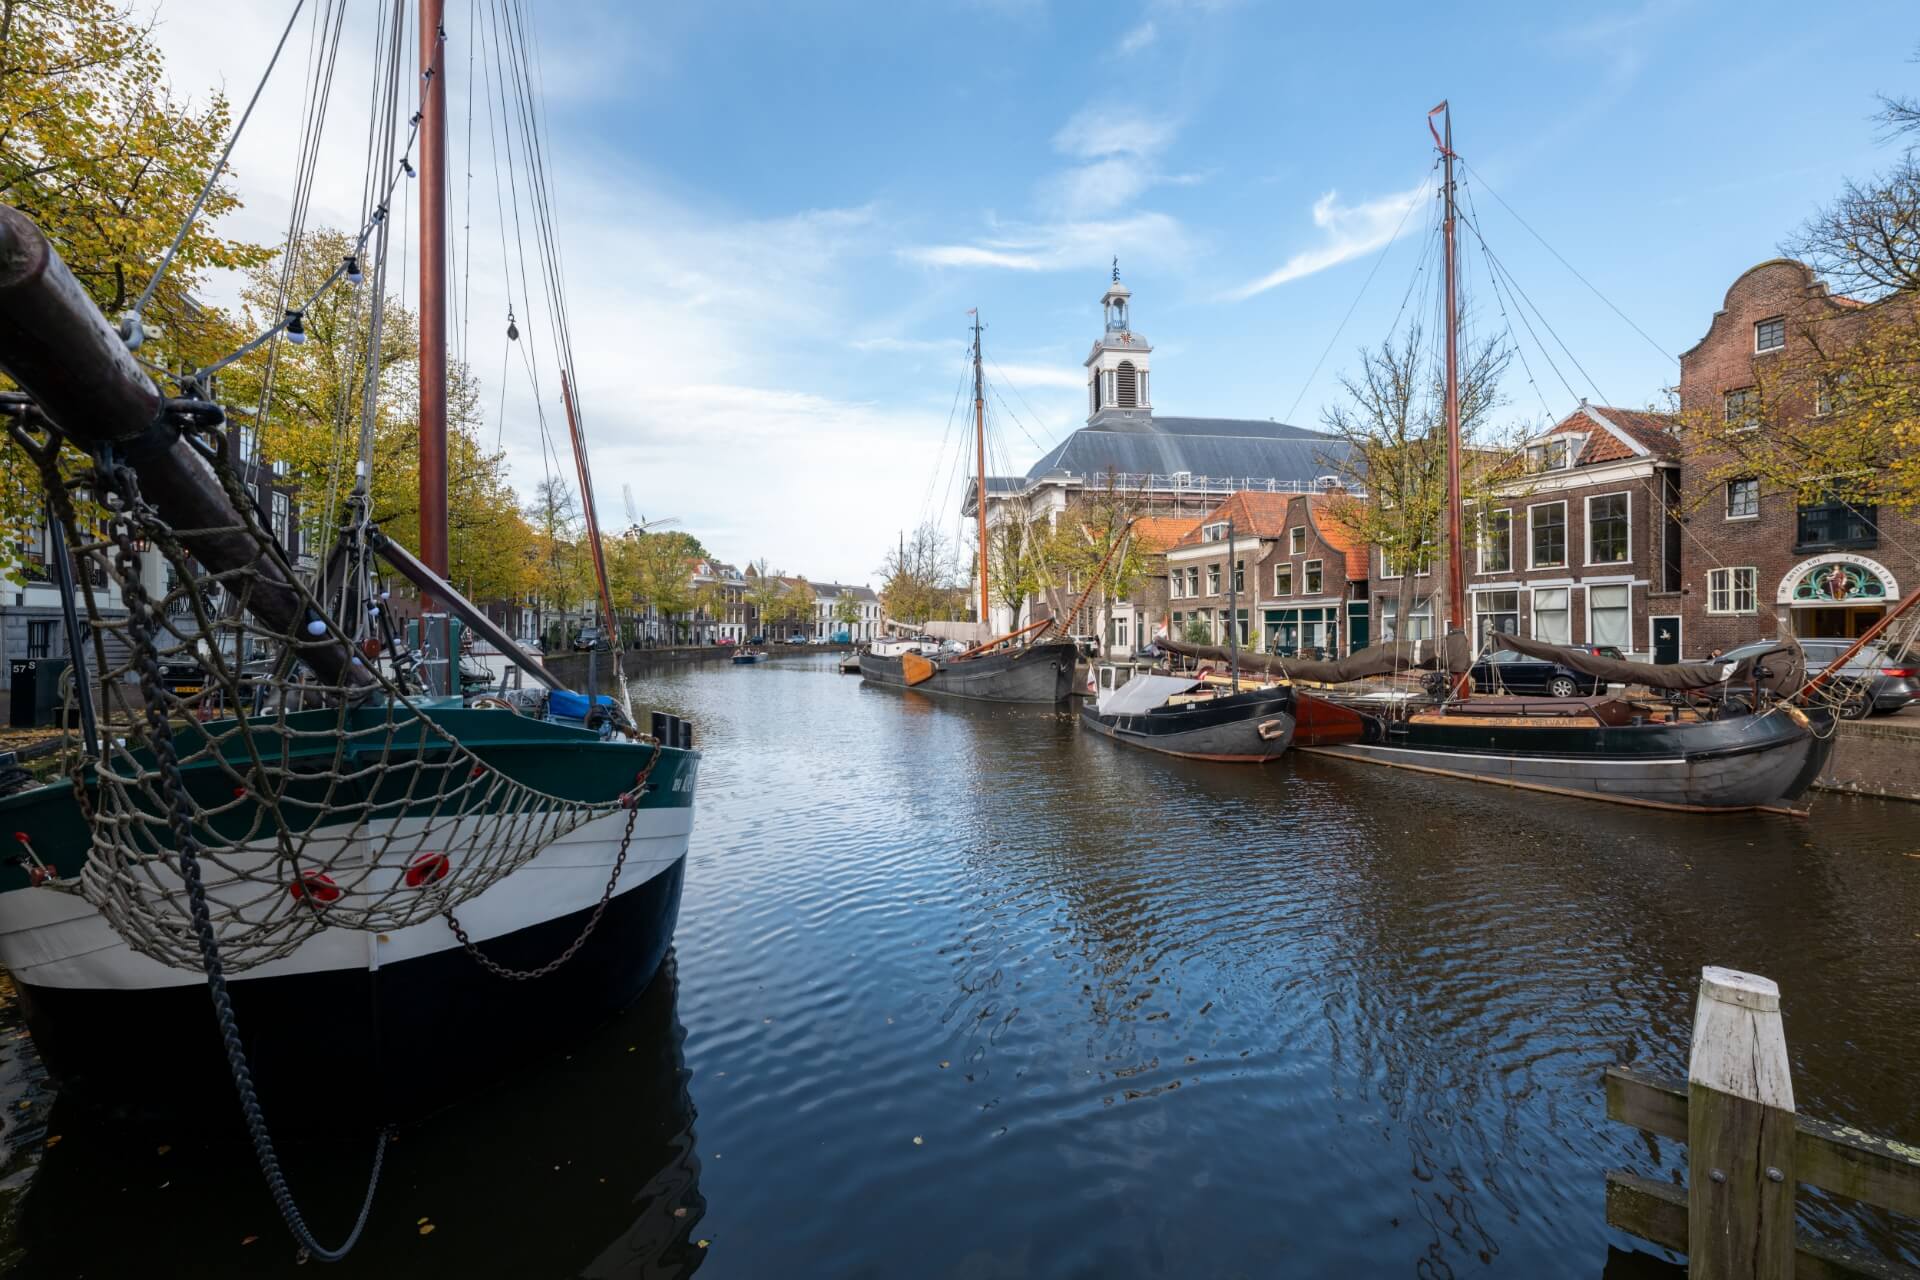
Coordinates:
[1126,386]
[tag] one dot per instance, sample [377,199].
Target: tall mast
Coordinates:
[980,456]
[1456,523]
[433,290]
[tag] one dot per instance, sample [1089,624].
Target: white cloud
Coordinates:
[1137,39]
[1041,375]
[1102,131]
[1117,149]
[1352,231]
[1154,238]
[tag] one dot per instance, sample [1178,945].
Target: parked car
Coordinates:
[588,638]
[1883,685]
[1504,671]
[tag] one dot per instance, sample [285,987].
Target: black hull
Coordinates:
[393,1043]
[1227,729]
[1766,761]
[1040,673]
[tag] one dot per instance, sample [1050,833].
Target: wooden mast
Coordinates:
[593,518]
[980,457]
[1456,522]
[433,293]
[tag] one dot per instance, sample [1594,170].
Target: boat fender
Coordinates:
[428,868]
[319,886]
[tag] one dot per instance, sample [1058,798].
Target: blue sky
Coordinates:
[775,215]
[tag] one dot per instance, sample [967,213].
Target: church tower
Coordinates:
[1117,381]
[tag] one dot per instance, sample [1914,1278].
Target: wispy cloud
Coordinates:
[1137,39]
[1352,231]
[1064,245]
[1115,153]
[1041,375]
[905,344]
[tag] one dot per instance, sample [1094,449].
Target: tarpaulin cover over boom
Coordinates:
[1782,667]
[1376,660]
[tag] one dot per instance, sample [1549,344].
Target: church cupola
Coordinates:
[1117,369]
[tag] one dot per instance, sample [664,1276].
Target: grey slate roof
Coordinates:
[1143,444]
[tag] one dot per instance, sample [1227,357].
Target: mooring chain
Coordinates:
[632,803]
[180,821]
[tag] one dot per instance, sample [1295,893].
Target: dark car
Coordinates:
[590,638]
[1504,671]
[1872,683]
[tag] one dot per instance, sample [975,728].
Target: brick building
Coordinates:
[1758,559]
[1580,550]
[1300,578]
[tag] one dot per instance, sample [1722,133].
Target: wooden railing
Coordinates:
[1748,1151]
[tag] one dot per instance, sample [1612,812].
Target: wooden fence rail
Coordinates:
[1748,1151]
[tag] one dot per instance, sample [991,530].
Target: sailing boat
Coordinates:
[389,893]
[1756,752]
[1017,667]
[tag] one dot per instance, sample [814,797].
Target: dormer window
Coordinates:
[1770,335]
[1555,453]
[1215,532]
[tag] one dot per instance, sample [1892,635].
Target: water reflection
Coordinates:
[585,1166]
[971,994]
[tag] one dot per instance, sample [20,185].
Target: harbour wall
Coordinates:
[1876,758]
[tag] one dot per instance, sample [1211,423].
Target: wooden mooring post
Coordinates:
[1748,1150]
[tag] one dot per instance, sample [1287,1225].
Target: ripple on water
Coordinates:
[966,993]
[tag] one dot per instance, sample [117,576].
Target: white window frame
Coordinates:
[1730,590]
[1278,569]
[1297,540]
[1386,564]
[1240,577]
[1618,493]
[1746,394]
[1726,492]
[1475,599]
[1778,346]
[1533,561]
[1566,610]
[1480,551]
[1610,586]
[1306,570]
[1213,579]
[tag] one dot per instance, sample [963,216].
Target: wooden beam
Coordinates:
[1836,1158]
[1657,1211]
[1740,1132]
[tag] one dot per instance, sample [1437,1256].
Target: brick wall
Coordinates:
[1723,361]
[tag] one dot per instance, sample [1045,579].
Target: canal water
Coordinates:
[963,992]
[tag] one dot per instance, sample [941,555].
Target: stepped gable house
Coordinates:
[1579,550]
[1177,466]
[1759,560]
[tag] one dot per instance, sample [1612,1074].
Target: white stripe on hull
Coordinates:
[53,938]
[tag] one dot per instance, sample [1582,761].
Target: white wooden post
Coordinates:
[1740,1132]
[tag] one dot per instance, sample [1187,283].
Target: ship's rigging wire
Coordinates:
[213,177]
[1378,260]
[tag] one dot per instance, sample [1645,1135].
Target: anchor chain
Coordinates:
[180,822]
[632,803]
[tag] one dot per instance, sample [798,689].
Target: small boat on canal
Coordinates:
[747,657]
[1190,717]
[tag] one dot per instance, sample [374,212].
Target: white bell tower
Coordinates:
[1118,384]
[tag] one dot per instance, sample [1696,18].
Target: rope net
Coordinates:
[308,803]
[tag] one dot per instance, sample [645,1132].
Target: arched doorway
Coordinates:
[1836,596]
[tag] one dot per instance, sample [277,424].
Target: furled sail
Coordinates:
[1782,667]
[1377,660]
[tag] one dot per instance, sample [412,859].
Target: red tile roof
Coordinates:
[1321,512]
[1157,533]
[1255,515]
[1612,434]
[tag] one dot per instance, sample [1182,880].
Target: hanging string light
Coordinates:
[296,327]
[513,330]
[354,276]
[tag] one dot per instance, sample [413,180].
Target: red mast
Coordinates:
[433,292]
[980,454]
[1456,523]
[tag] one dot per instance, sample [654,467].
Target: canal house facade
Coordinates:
[1299,577]
[1581,549]
[1760,559]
